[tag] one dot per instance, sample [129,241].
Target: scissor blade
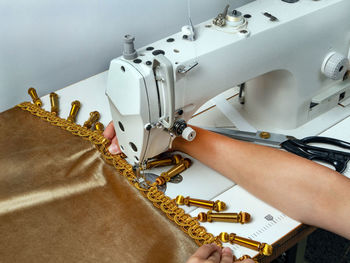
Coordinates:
[259,137]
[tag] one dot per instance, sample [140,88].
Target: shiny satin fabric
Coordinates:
[60,202]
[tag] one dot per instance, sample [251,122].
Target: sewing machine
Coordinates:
[290,59]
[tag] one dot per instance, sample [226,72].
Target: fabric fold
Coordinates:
[61,202]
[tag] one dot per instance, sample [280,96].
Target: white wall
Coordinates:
[51,44]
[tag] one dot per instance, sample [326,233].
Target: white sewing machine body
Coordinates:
[281,63]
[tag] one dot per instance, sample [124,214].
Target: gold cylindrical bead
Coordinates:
[54,103]
[99,127]
[175,159]
[241,217]
[35,98]
[94,117]
[73,111]
[216,206]
[178,168]
[262,248]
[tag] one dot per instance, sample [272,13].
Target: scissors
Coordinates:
[300,147]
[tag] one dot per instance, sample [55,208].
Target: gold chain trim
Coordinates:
[186,223]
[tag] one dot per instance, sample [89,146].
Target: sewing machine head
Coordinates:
[291,74]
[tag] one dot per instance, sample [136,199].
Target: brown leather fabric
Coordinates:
[60,202]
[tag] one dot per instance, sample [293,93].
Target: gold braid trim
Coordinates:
[186,223]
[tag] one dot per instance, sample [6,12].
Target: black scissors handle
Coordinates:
[326,140]
[337,159]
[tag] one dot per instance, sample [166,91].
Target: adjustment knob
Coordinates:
[335,65]
[188,134]
[234,18]
[129,51]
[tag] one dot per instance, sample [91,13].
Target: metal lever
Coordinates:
[185,68]
[220,20]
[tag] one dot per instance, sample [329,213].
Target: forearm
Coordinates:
[304,190]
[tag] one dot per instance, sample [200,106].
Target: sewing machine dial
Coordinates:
[335,65]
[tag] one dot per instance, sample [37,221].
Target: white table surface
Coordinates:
[200,181]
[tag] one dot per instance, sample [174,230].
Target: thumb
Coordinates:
[226,256]
[248,260]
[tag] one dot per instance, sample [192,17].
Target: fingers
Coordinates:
[226,256]
[109,132]
[206,250]
[248,260]
[215,257]
[114,147]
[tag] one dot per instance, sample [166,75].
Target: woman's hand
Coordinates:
[211,253]
[109,133]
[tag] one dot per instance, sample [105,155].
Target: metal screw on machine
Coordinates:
[264,135]
[35,98]
[54,103]
[129,51]
[180,112]
[220,20]
[262,248]
[73,111]
[176,179]
[236,13]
